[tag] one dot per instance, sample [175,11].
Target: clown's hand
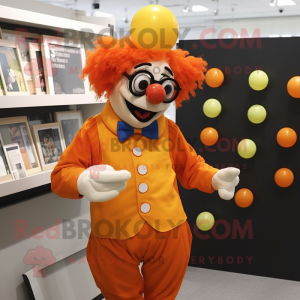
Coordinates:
[225,181]
[102,183]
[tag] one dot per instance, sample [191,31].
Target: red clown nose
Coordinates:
[155,93]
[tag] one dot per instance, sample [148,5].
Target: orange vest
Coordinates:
[151,194]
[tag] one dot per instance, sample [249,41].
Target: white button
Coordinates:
[145,208]
[143,187]
[142,169]
[137,151]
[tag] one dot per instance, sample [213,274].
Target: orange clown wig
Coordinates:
[112,57]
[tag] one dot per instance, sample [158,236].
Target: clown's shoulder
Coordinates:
[173,127]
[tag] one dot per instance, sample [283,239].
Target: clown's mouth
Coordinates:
[141,114]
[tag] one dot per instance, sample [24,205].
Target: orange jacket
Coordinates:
[152,193]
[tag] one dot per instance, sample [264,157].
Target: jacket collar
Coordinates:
[111,119]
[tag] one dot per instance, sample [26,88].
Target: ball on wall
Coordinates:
[212,108]
[243,198]
[246,148]
[284,177]
[286,137]
[293,87]
[209,136]
[205,221]
[258,80]
[257,114]
[154,27]
[214,77]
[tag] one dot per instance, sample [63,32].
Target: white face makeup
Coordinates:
[137,111]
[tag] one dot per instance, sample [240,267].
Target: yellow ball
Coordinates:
[258,80]
[246,148]
[154,27]
[257,114]
[212,108]
[205,221]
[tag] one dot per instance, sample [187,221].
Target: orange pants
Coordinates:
[165,256]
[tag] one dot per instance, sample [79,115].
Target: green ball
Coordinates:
[212,108]
[205,221]
[258,80]
[246,148]
[257,114]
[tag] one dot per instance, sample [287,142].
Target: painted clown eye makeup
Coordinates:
[170,88]
[140,83]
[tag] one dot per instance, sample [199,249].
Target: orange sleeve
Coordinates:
[83,152]
[191,169]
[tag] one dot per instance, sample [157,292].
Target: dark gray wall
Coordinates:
[273,217]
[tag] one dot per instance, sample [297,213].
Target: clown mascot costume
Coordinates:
[127,159]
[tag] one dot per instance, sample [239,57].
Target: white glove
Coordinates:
[102,183]
[225,181]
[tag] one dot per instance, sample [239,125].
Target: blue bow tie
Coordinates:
[125,131]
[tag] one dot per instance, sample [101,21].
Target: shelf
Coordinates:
[30,182]
[38,20]
[48,100]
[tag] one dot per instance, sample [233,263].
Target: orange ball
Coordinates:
[284,177]
[293,87]
[209,136]
[214,77]
[286,137]
[243,198]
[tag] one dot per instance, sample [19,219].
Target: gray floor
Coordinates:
[203,284]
